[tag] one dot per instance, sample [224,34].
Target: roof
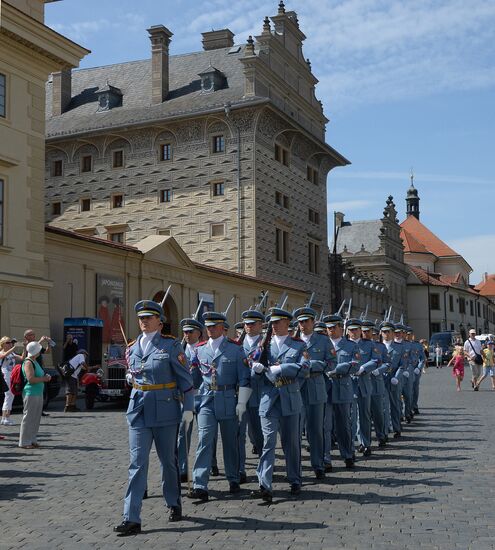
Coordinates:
[437,279]
[133,78]
[487,287]
[356,235]
[411,244]
[91,239]
[424,237]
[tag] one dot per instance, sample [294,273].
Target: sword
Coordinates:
[340,308]
[162,303]
[228,307]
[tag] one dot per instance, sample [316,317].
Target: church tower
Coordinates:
[412,200]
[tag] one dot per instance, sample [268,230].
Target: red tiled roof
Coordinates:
[487,287]
[411,244]
[426,278]
[426,238]
[436,279]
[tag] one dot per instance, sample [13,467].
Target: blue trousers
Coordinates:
[415,391]
[395,406]
[291,446]
[328,424]
[386,411]
[251,420]
[407,387]
[314,417]
[181,446]
[207,432]
[140,441]
[363,420]
[343,432]
[378,416]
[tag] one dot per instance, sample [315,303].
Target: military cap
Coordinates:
[304,313]
[354,323]
[387,325]
[399,327]
[277,313]
[409,329]
[212,318]
[225,324]
[239,325]
[251,316]
[191,324]
[367,325]
[332,320]
[144,308]
[320,327]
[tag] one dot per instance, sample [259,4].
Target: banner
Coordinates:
[110,304]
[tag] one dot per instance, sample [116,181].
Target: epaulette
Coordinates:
[199,344]
[129,344]
[168,336]
[233,341]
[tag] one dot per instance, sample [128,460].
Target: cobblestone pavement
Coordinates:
[433,488]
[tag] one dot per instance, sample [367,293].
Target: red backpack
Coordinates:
[17,380]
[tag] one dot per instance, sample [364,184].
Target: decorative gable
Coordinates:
[108,98]
[212,80]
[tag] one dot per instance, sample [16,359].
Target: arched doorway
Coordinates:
[170,309]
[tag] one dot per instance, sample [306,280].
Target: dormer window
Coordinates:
[108,98]
[212,79]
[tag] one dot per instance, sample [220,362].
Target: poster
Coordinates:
[110,306]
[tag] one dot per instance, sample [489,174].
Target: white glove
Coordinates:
[394,381]
[129,378]
[187,418]
[416,371]
[272,372]
[405,374]
[361,370]
[258,367]
[276,370]
[242,399]
[375,372]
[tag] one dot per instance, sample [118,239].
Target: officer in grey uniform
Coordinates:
[363,386]
[418,369]
[313,389]
[253,324]
[341,393]
[408,373]
[221,368]
[160,379]
[281,404]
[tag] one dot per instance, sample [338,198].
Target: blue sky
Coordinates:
[405,84]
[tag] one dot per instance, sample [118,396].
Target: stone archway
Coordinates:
[170,309]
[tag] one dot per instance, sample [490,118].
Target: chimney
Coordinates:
[61,91]
[214,40]
[160,40]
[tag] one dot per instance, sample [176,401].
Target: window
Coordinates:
[479,310]
[471,308]
[87,163]
[451,302]
[434,301]
[2,183]
[117,237]
[3,95]
[118,159]
[312,175]
[217,229]
[313,257]
[218,188]
[281,155]
[85,205]
[452,327]
[218,144]
[281,246]
[166,195]
[56,208]
[57,168]
[462,305]
[314,216]
[165,151]
[117,201]
[165,232]
[281,199]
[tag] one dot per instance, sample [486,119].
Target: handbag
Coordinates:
[66,369]
[478,360]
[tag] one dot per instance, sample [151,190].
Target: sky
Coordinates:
[408,85]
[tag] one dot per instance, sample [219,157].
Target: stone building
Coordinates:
[29,52]
[223,149]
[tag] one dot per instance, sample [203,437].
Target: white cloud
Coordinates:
[81,31]
[478,252]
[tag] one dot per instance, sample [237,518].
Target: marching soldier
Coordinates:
[253,325]
[313,389]
[408,373]
[341,391]
[160,379]
[281,404]
[221,367]
[418,369]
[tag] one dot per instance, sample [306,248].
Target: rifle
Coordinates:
[256,307]
[267,337]
[364,314]
[165,296]
[347,316]
[195,317]
[224,313]
[340,308]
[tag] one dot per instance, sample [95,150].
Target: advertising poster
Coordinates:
[110,306]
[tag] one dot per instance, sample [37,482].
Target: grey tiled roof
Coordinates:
[354,235]
[134,80]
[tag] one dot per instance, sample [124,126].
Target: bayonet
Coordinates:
[165,296]
[195,315]
[310,301]
[228,307]
[340,308]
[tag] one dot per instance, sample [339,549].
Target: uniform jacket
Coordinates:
[163,363]
[252,354]
[396,361]
[348,360]
[370,360]
[218,375]
[322,359]
[294,363]
[378,382]
[420,356]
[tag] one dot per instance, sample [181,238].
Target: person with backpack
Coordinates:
[32,395]
[8,360]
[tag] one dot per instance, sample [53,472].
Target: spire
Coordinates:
[412,199]
[281,8]
[266,26]
[249,47]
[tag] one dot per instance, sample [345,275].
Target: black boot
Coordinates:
[295,489]
[127,528]
[262,493]
[234,487]
[349,463]
[198,494]
[175,513]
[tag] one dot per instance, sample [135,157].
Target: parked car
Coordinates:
[447,341]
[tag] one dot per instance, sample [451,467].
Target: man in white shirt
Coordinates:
[78,363]
[472,349]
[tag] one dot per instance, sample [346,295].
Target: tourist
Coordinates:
[458,363]
[488,354]
[8,360]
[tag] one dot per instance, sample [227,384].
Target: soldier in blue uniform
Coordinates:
[313,389]
[220,369]
[320,328]
[161,379]
[192,331]
[363,387]
[397,363]
[418,369]
[253,324]
[341,391]
[281,404]
[408,373]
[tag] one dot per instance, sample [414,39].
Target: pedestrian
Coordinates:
[426,352]
[472,349]
[77,364]
[457,362]
[438,356]
[488,355]
[161,380]
[69,349]
[46,344]
[8,359]
[32,395]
